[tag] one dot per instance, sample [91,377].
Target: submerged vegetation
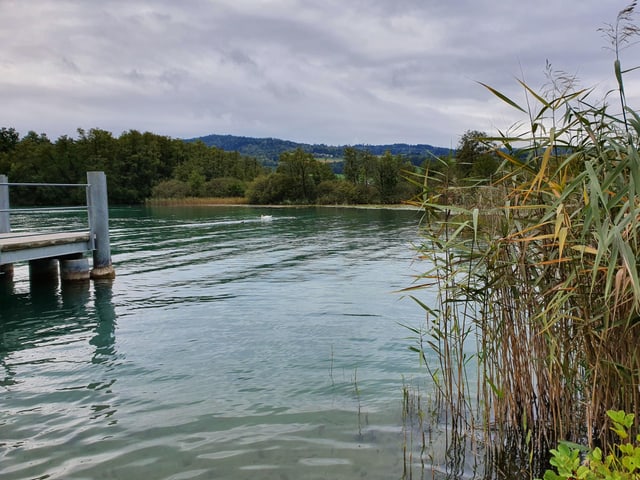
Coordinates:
[536,324]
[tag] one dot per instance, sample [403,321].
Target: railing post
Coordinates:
[98,205]
[5,224]
[6,271]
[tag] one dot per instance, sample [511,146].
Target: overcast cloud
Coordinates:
[317,71]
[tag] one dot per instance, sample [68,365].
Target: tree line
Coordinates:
[140,166]
[134,163]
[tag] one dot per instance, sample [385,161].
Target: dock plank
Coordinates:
[22,241]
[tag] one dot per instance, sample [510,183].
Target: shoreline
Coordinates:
[241,202]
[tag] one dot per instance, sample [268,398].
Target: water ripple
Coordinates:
[225,348]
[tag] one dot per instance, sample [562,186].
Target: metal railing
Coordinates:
[6,210]
[97,207]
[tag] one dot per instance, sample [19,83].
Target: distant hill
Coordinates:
[268,150]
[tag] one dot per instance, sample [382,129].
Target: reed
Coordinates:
[536,324]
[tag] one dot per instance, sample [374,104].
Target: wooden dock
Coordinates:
[21,247]
[46,249]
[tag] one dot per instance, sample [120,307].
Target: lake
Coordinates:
[228,347]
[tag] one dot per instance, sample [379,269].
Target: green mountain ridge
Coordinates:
[268,150]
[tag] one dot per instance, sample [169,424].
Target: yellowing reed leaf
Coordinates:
[555,261]
[535,95]
[559,219]
[547,236]
[585,249]
[503,97]
[585,195]
[476,212]
[562,237]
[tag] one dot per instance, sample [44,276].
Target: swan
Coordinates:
[266,218]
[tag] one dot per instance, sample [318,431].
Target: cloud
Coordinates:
[333,72]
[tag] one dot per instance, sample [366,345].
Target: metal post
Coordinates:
[5,224]
[6,271]
[99,221]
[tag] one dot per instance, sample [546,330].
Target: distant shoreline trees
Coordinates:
[140,166]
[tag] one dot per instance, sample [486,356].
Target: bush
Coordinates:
[270,189]
[622,463]
[170,189]
[335,192]
[224,187]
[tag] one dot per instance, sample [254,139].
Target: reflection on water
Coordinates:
[104,339]
[48,310]
[48,333]
[226,347]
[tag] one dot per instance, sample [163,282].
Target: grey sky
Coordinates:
[317,71]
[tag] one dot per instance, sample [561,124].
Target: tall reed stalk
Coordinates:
[536,326]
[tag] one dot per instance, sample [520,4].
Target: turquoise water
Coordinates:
[227,347]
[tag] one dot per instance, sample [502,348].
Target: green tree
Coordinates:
[339,192]
[474,149]
[305,172]
[359,166]
[368,166]
[351,167]
[224,187]
[213,163]
[96,148]
[484,167]
[298,165]
[31,159]
[170,189]
[135,165]
[387,176]
[270,189]
[9,138]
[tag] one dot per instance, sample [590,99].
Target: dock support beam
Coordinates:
[44,270]
[6,271]
[99,220]
[74,268]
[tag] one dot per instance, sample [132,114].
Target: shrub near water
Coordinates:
[545,280]
[622,463]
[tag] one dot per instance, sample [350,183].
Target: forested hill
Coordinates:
[268,150]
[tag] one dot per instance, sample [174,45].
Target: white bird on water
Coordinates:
[266,218]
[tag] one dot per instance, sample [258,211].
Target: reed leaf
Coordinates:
[503,97]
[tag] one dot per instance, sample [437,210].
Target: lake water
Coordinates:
[227,347]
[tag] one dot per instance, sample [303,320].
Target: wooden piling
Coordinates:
[43,270]
[6,271]
[99,221]
[74,269]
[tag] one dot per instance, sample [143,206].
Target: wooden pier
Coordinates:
[45,251]
[20,247]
